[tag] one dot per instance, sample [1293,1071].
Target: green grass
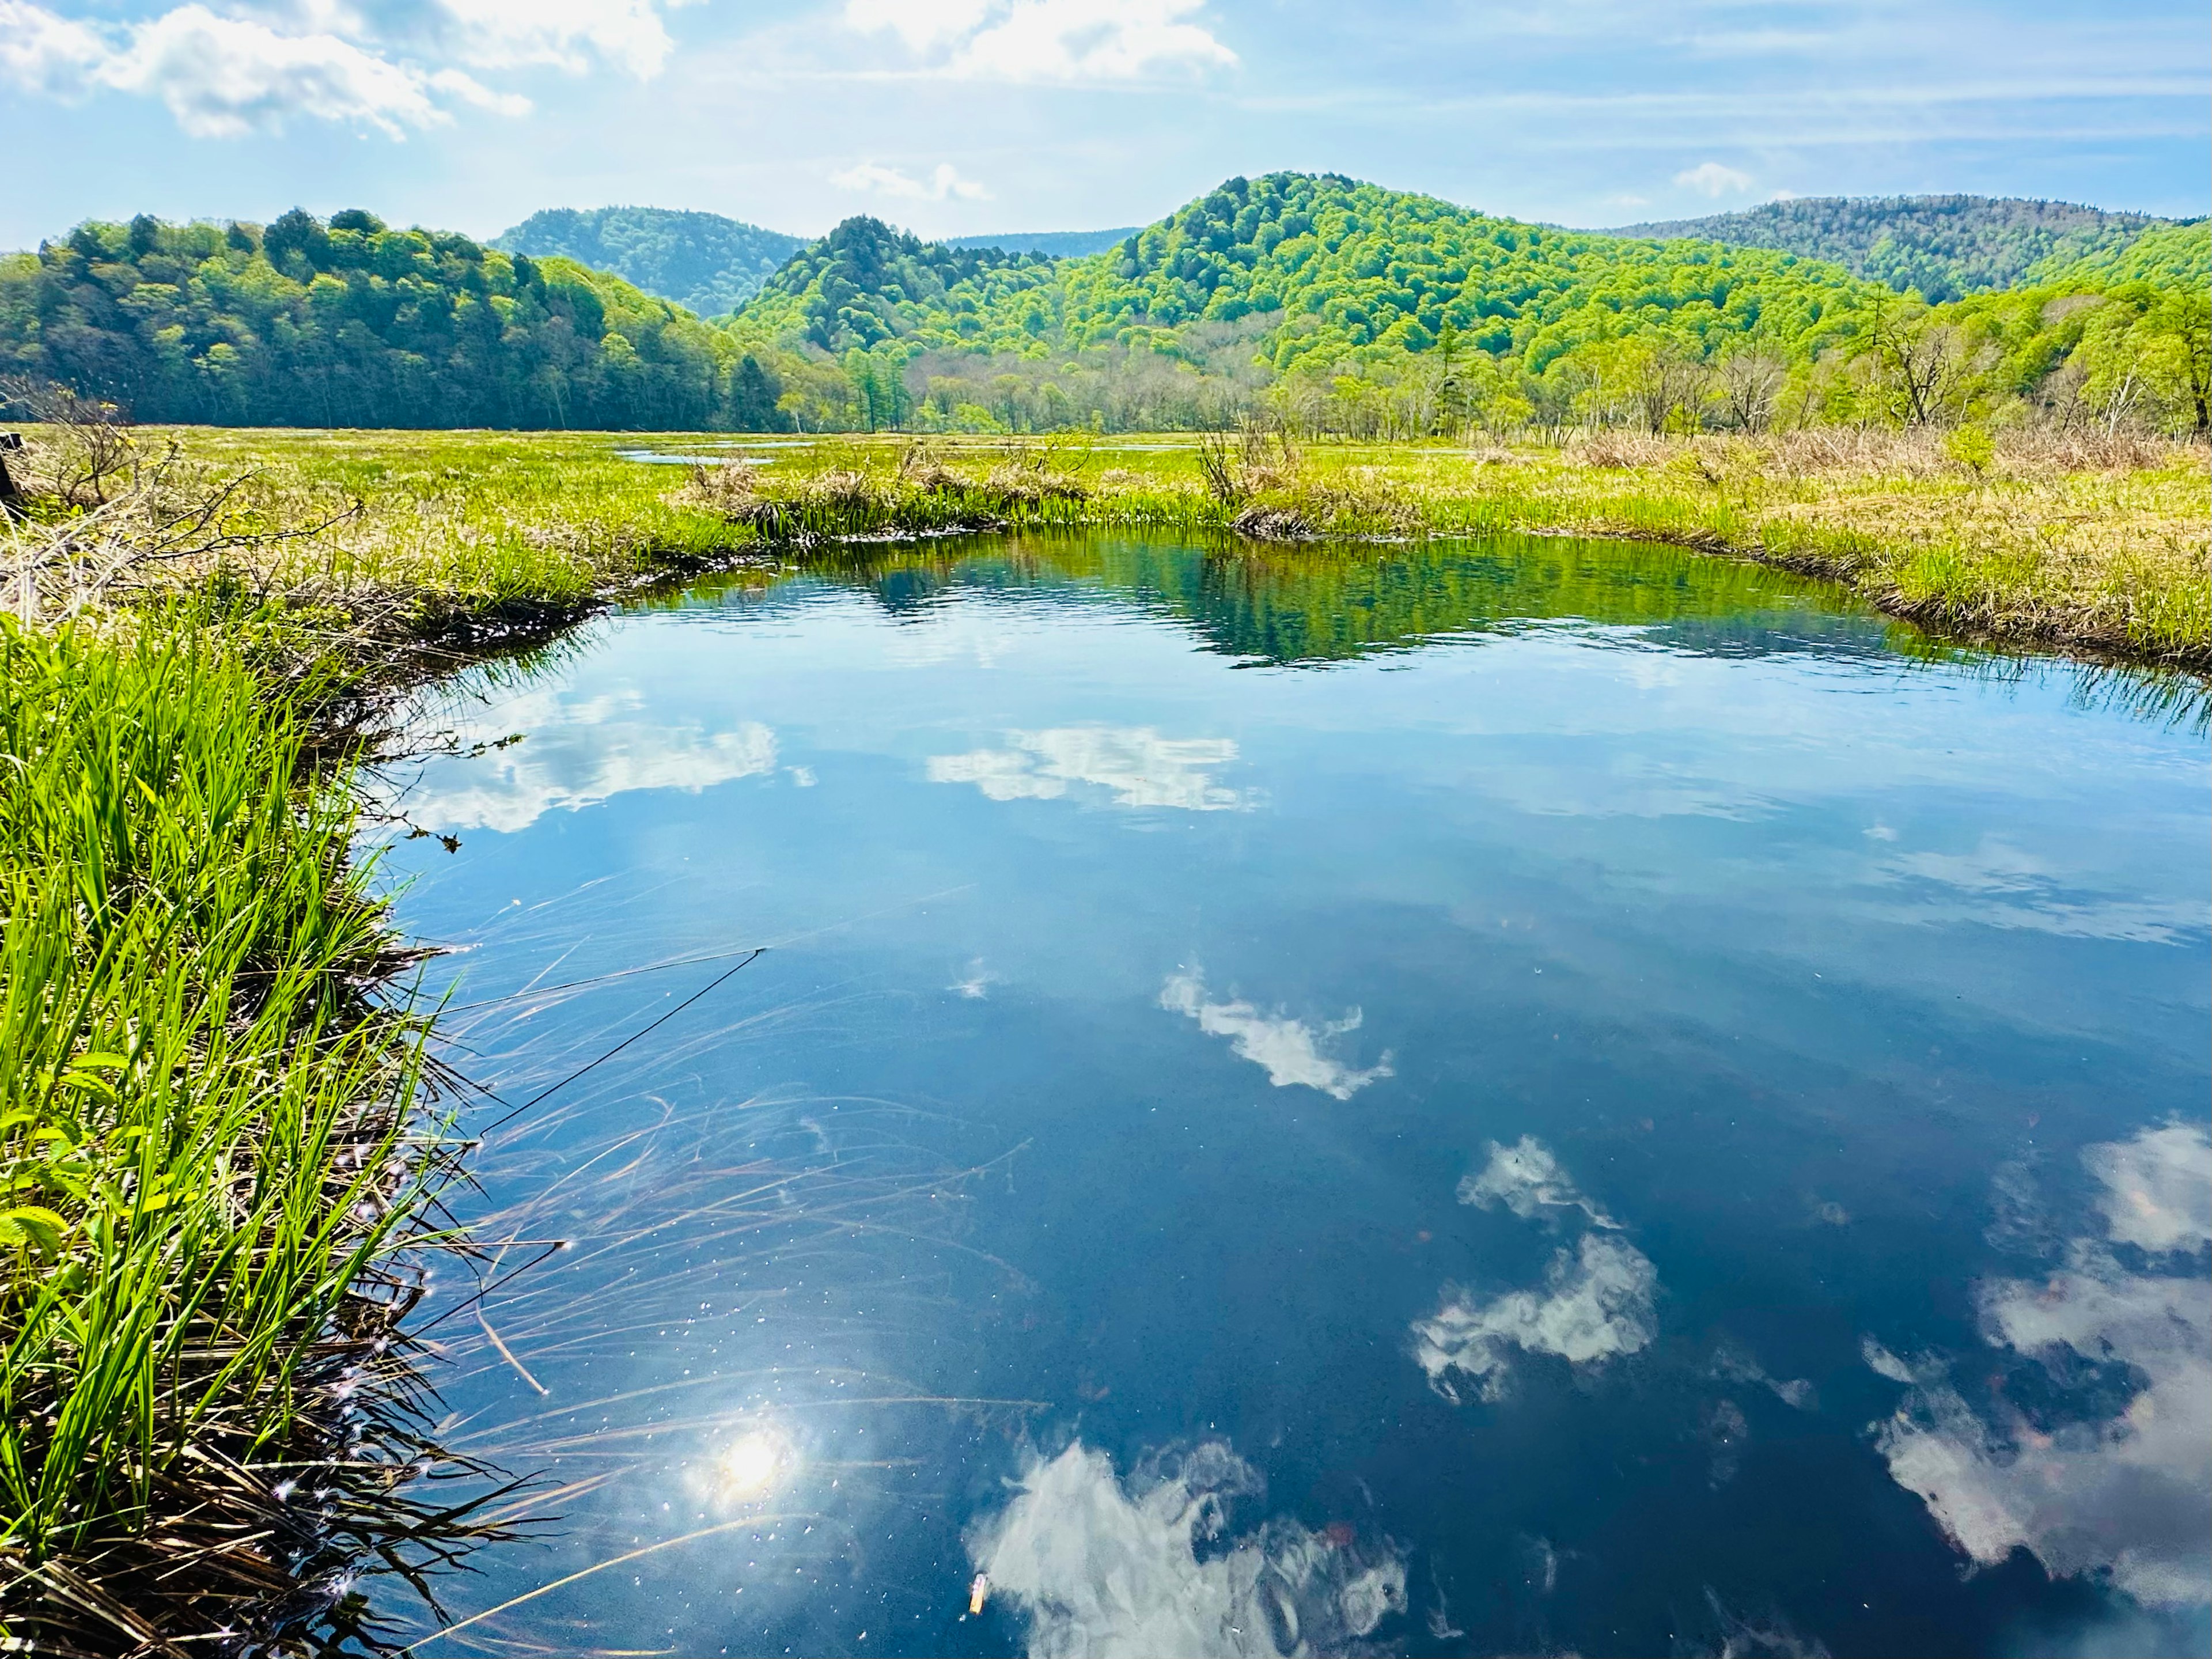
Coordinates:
[205,1123]
[2066,542]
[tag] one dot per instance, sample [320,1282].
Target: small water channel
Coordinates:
[1525,1096]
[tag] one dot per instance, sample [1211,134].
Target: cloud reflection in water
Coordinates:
[2123,1494]
[578,752]
[1103,1569]
[1289,1049]
[1597,1300]
[1597,1304]
[1140,766]
[1527,1179]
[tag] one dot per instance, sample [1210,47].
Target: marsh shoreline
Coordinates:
[460,547]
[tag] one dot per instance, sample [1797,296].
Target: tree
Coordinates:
[1922,358]
[754,393]
[2181,348]
[1750,381]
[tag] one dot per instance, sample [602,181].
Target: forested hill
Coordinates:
[866,282]
[1942,246]
[1340,305]
[2166,255]
[354,324]
[704,262]
[1307,265]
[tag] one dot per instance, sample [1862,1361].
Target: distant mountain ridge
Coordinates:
[711,265]
[707,263]
[1052,244]
[1946,246]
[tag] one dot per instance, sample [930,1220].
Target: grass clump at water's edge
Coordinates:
[212,1145]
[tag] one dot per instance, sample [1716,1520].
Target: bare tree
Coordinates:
[1662,382]
[1750,383]
[170,516]
[1924,362]
[94,451]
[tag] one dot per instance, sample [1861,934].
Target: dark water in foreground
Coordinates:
[1534,1096]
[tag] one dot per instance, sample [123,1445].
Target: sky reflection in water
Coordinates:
[1526,1095]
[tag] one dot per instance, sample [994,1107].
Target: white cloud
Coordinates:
[1527,1179]
[1711,178]
[42,52]
[469,90]
[922,24]
[570,34]
[220,77]
[1046,40]
[1597,1305]
[1109,1572]
[2122,1494]
[1289,1049]
[945,181]
[223,76]
[1142,768]
[578,753]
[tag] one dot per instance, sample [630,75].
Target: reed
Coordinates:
[213,1149]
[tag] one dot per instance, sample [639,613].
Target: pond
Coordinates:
[1522,1096]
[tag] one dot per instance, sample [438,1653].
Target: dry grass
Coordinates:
[2084,538]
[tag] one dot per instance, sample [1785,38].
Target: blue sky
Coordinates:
[957,116]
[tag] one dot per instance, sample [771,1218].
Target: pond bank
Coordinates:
[218,1139]
[2068,541]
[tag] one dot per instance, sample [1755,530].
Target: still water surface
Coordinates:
[1528,1096]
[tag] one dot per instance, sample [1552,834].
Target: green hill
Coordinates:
[1943,246]
[866,282]
[1345,306]
[353,323]
[705,263]
[2166,255]
[1313,266]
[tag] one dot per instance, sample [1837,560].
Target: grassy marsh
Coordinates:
[2069,542]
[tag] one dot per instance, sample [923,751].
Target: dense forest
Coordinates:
[1338,306]
[866,282]
[1943,247]
[1349,308]
[353,323]
[706,263]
